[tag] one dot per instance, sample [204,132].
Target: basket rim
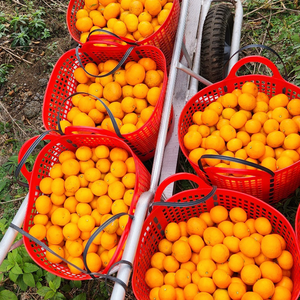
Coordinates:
[144,41]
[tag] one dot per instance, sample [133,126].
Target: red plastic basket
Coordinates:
[154,225]
[163,38]
[297,225]
[63,84]
[47,157]
[262,185]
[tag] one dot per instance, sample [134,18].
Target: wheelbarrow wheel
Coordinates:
[216,42]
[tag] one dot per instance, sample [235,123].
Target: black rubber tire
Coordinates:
[216,42]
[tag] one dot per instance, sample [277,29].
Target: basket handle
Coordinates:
[92,275]
[117,67]
[256,59]
[114,123]
[25,152]
[264,47]
[94,235]
[266,172]
[182,176]
[102,37]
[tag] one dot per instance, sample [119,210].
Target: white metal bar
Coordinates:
[205,5]
[124,272]
[161,141]
[236,33]
[193,74]
[10,233]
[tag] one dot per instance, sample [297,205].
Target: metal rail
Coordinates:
[145,199]
[176,92]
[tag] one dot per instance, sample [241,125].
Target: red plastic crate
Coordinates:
[154,225]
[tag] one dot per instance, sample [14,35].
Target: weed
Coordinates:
[21,268]
[4,70]
[26,28]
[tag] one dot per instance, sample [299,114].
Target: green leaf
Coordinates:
[77,283]
[1,277]
[80,297]
[11,258]
[23,286]
[56,282]
[13,277]
[43,291]
[29,279]
[52,286]
[17,270]
[295,38]
[49,295]
[38,285]
[6,266]
[59,296]
[50,276]
[29,268]
[7,295]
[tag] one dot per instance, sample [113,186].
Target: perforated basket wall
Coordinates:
[157,220]
[163,38]
[45,160]
[269,189]
[62,84]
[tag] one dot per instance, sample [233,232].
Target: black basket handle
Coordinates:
[181,176]
[234,159]
[121,62]
[28,152]
[113,120]
[259,46]
[90,240]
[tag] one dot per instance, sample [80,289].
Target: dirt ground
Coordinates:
[21,97]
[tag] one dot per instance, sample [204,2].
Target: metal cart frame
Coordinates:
[181,87]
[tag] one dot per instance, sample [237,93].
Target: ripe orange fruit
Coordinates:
[135,74]
[285,260]
[221,279]
[293,107]
[219,253]
[192,140]
[275,139]
[213,236]
[279,100]
[250,274]
[247,101]
[271,270]
[209,117]
[181,251]
[54,258]
[249,247]
[196,226]
[251,296]
[255,149]
[172,232]
[250,88]
[206,267]
[271,246]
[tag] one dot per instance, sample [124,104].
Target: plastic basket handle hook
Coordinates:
[25,152]
[182,176]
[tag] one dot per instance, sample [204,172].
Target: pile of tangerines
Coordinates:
[85,189]
[132,19]
[221,255]
[249,125]
[131,94]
